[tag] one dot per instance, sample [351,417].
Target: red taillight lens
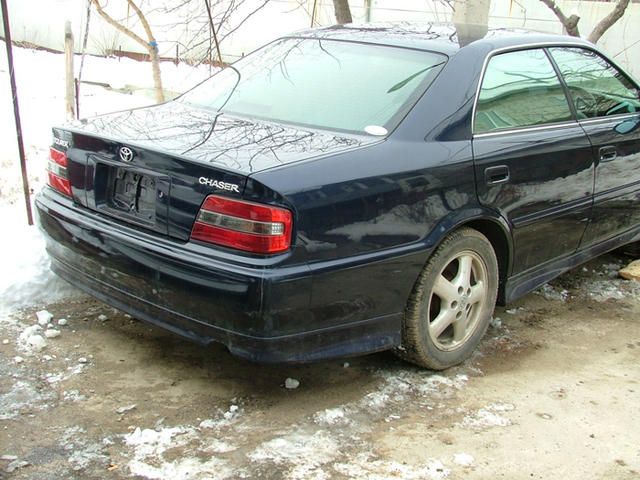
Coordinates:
[247,226]
[57,172]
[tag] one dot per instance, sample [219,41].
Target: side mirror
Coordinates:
[627,126]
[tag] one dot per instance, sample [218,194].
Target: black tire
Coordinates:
[631,250]
[427,312]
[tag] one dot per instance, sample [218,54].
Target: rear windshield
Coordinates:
[326,84]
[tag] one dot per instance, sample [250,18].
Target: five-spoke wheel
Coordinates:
[452,302]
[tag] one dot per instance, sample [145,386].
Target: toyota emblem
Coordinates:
[126,154]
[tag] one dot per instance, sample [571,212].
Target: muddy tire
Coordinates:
[452,302]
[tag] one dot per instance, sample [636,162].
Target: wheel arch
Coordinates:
[492,226]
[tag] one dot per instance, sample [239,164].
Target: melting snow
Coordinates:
[463,459]
[363,466]
[487,417]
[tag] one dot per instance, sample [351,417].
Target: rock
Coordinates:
[18,359]
[62,321]
[44,317]
[37,342]
[51,333]
[82,360]
[5,342]
[291,383]
[15,465]
[631,271]
[103,318]
[345,365]
[126,409]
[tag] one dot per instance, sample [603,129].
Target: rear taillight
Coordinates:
[57,172]
[247,226]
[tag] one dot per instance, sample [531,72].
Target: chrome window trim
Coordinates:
[620,116]
[515,48]
[546,126]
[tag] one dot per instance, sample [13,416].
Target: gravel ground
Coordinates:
[553,392]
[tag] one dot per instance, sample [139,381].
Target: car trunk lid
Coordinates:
[153,167]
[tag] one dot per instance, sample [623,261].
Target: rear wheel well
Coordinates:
[498,239]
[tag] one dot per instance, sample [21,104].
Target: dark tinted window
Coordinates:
[322,83]
[598,89]
[520,89]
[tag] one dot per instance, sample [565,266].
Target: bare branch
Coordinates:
[570,23]
[143,20]
[608,21]
[119,26]
[151,46]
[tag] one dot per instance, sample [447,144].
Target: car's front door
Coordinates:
[533,160]
[607,103]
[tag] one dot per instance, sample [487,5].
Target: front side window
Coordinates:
[321,83]
[597,88]
[520,89]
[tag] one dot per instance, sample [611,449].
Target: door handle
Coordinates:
[608,153]
[496,175]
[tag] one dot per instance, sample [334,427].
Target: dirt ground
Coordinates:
[552,393]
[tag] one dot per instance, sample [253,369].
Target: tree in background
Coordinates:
[570,23]
[471,19]
[343,12]
[210,23]
[151,45]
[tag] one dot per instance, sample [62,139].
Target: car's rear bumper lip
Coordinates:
[355,338]
[201,298]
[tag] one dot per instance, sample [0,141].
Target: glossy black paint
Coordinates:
[368,211]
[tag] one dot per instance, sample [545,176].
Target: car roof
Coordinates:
[447,38]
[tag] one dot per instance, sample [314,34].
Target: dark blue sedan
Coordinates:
[352,189]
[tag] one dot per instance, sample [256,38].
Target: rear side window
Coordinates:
[598,89]
[520,89]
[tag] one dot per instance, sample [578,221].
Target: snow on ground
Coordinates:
[26,279]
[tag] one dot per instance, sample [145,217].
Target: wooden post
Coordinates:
[69,73]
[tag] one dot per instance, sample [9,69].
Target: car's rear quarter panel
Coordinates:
[368,219]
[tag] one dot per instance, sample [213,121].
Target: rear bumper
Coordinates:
[202,295]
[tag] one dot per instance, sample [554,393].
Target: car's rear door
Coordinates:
[607,103]
[533,160]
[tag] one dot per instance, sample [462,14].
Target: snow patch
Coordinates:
[487,417]
[463,459]
[23,395]
[149,447]
[551,293]
[149,442]
[185,468]
[331,416]
[303,452]
[26,278]
[363,466]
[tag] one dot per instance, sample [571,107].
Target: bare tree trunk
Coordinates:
[343,12]
[157,76]
[608,21]
[70,90]
[471,19]
[150,45]
[570,24]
